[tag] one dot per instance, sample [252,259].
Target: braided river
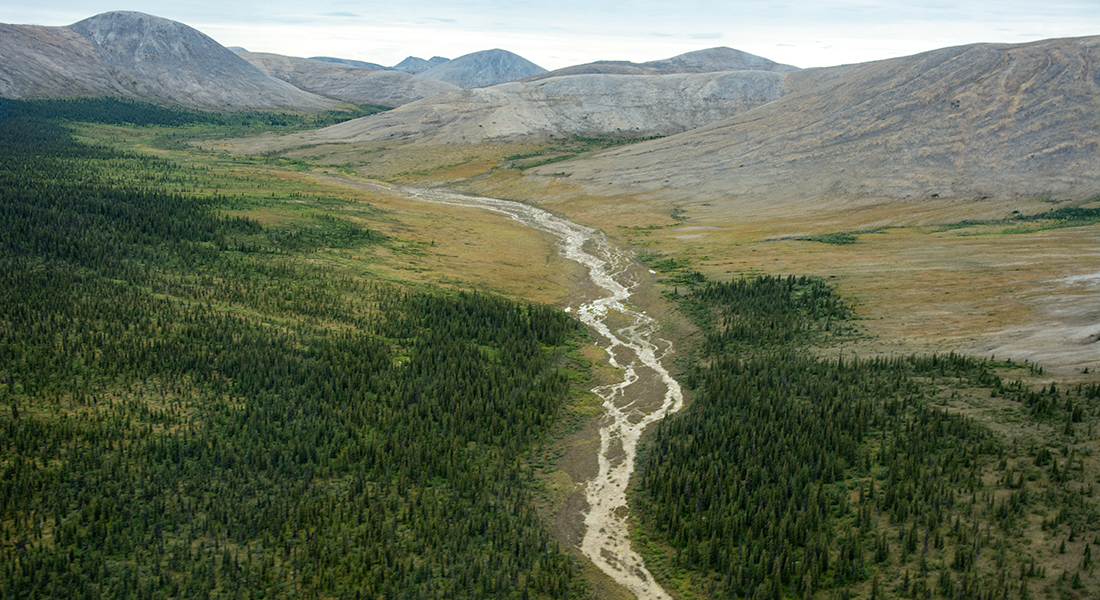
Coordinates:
[646,394]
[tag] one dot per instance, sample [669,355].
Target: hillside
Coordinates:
[481,69]
[965,122]
[138,56]
[346,82]
[700,61]
[578,105]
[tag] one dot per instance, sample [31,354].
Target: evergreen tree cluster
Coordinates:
[183,414]
[795,476]
[121,111]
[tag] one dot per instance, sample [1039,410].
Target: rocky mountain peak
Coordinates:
[139,56]
[134,36]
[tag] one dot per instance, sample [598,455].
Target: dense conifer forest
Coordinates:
[800,476]
[188,409]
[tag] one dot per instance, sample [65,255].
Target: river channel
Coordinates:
[646,394]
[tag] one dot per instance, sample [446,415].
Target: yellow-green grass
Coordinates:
[916,285]
[429,243]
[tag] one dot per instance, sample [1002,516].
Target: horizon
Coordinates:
[803,34]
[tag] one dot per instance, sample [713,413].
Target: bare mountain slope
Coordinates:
[700,61]
[138,56]
[579,105]
[50,62]
[485,68]
[346,82]
[970,121]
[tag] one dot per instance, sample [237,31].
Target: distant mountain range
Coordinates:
[346,82]
[143,57]
[700,61]
[139,56]
[411,64]
[967,121]
[594,105]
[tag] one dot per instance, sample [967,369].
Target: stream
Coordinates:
[646,394]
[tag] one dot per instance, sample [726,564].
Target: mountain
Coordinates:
[347,61]
[700,61]
[965,122]
[643,105]
[700,88]
[134,55]
[717,59]
[416,65]
[346,82]
[482,69]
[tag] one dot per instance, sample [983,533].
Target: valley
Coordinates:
[703,327]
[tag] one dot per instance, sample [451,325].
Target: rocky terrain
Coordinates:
[348,83]
[481,69]
[142,57]
[617,105]
[138,56]
[965,123]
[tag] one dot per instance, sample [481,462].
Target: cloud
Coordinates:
[340,14]
[705,36]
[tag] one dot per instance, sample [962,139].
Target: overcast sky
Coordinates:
[558,33]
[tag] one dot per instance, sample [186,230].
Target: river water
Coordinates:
[646,394]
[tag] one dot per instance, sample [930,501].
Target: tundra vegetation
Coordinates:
[220,376]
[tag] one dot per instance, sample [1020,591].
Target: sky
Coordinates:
[559,33]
